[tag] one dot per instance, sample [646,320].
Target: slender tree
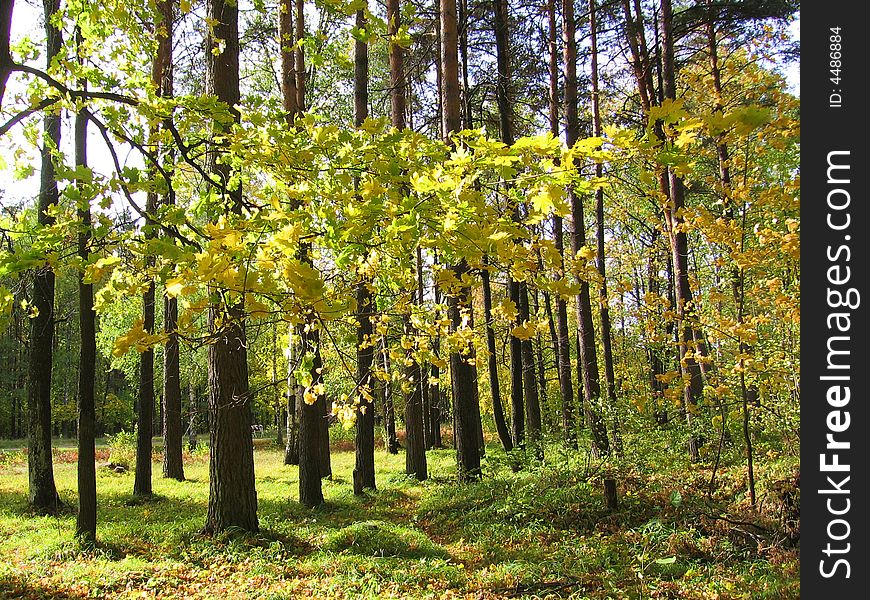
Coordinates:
[289,96]
[86,520]
[415,437]
[604,305]
[504,434]
[563,346]
[173,466]
[364,468]
[679,244]
[502,41]
[43,493]
[463,382]
[587,357]
[391,441]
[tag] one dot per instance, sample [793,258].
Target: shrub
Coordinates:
[122,448]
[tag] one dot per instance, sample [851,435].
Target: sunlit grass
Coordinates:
[540,532]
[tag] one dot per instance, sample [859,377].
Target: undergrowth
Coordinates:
[526,530]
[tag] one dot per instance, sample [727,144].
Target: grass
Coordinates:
[542,532]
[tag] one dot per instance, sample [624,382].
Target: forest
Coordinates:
[401,299]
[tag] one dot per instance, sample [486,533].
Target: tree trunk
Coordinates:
[415,447]
[287,38]
[232,501]
[86,520]
[604,308]
[530,389]
[300,57]
[425,388]
[390,439]
[42,493]
[145,397]
[586,334]
[465,433]
[502,44]
[364,469]
[504,434]
[538,346]
[5,34]
[325,407]
[679,246]
[173,466]
[436,396]
[462,374]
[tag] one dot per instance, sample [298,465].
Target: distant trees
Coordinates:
[336,208]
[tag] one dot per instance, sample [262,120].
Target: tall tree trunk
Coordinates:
[679,245]
[42,493]
[415,447]
[145,396]
[502,96]
[232,501]
[425,388]
[586,333]
[462,374]
[364,467]
[311,417]
[604,307]
[324,405]
[436,394]
[86,520]
[290,98]
[173,466]
[300,57]
[415,442]
[504,434]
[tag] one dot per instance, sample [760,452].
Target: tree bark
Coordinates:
[287,36]
[462,374]
[390,439]
[679,246]
[173,466]
[291,449]
[42,493]
[415,446]
[530,389]
[604,307]
[504,434]
[364,469]
[86,520]
[300,57]
[586,333]
[232,501]
[5,35]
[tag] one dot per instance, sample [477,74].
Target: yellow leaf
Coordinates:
[524,331]
[174,287]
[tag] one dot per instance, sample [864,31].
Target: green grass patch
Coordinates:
[540,532]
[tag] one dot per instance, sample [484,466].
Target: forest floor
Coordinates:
[541,532]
